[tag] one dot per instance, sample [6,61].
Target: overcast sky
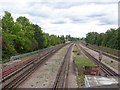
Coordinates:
[63,17]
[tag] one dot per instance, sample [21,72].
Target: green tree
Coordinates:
[62,39]
[7,22]
[27,28]
[108,39]
[46,41]
[38,34]
[92,37]
[7,36]
[22,36]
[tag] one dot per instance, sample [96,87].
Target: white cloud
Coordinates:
[76,30]
[75,17]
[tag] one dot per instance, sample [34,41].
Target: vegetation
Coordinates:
[108,39]
[22,36]
[80,80]
[83,61]
[80,61]
[69,38]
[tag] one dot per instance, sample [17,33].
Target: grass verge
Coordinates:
[81,61]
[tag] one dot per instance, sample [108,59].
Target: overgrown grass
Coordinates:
[83,61]
[79,60]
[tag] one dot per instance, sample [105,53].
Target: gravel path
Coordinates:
[44,76]
[106,60]
[72,83]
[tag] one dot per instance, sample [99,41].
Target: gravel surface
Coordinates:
[72,82]
[106,60]
[45,76]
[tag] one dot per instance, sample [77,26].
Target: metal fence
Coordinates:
[34,52]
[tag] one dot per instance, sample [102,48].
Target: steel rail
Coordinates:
[104,53]
[16,78]
[61,80]
[103,67]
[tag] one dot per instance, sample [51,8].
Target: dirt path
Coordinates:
[44,76]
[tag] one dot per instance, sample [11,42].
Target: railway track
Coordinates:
[62,76]
[103,67]
[6,70]
[15,78]
[104,53]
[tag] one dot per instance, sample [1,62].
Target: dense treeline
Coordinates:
[69,38]
[22,36]
[108,39]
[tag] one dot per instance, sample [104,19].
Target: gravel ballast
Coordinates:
[44,76]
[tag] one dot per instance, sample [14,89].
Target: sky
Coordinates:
[64,17]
